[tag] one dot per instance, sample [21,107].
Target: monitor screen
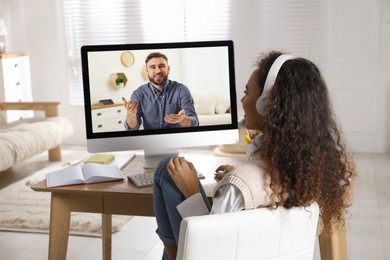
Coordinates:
[185,98]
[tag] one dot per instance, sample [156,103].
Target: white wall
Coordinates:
[356,65]
[355,60]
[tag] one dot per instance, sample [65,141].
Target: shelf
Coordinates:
[118,76]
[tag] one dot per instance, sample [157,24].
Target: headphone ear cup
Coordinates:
[262,101]
[260,106]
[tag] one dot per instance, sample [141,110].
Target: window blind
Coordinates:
[255,26]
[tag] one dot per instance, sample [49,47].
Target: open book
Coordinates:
[85,174]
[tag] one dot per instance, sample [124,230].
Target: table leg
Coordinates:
[106,235]
[55,153]
[59,226]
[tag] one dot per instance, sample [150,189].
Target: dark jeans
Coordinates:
[166,196]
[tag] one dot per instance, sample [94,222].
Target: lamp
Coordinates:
[3,33]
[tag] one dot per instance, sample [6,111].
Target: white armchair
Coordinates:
[253,234]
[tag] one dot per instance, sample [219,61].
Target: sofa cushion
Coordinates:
[216,119]
[222,106]
[205,105]
[25,138]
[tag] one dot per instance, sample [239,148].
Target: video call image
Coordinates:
[197,92]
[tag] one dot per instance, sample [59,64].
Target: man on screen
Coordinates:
[161,103]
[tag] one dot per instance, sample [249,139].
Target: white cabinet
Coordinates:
[15,82]
[108,118]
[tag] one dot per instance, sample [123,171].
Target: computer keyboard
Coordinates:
[146,179]
[142,179]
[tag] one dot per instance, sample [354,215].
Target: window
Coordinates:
[255,26]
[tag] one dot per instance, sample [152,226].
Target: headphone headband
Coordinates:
[262,102]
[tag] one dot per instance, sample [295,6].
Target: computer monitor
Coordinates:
[111,72]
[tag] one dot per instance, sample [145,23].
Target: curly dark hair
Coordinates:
[302,143]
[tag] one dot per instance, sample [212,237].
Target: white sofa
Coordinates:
[212,109]
[22,139]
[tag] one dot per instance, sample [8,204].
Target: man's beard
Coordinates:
[160,81]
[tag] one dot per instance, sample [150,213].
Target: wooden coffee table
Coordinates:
[123,198]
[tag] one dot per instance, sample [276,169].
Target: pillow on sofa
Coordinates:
[205,105]
[222,106]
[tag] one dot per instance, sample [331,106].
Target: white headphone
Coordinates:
[263,100]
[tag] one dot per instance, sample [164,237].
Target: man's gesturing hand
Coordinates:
[131,109]
[179,118]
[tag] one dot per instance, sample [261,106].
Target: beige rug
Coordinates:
[24,210]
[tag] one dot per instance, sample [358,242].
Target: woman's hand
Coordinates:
[184,176]
[222,170]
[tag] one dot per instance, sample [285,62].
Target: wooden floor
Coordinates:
[368,220]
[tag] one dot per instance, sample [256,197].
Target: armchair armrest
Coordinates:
[50,108]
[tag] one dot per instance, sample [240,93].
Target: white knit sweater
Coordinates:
[253,182]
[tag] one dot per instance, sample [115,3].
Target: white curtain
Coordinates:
[255,26]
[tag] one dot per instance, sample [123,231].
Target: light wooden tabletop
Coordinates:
[205,164]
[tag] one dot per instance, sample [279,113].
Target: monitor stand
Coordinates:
[152,157]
